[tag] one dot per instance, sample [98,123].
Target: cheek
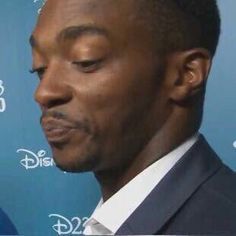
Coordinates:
[121,85]
[117,100]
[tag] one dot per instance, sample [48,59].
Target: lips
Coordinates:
[57,130]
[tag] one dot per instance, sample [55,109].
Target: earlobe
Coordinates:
[193,69]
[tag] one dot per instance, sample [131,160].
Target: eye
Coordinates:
[88,66]
[39,71]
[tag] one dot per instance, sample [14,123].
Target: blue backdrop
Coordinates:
[40,199]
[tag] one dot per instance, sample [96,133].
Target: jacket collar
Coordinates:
[194,168]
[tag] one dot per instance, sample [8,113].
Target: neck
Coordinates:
[163,141]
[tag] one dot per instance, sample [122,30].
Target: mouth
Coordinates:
[57,131]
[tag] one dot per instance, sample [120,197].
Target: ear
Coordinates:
[191,72]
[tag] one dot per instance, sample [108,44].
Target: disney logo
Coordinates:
[2,100]
[32,160]
[65,226]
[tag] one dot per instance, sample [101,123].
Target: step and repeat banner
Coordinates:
[39,198]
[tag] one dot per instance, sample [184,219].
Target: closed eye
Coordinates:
[88,66]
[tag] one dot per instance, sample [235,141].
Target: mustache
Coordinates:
[58,115]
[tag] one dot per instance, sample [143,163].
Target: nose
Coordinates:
[52,90]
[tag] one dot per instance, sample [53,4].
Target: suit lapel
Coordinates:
[193,169]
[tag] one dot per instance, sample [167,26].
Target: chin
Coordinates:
[76,161]
[77,155]
[71,168]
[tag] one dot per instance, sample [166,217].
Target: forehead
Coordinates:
[115,15]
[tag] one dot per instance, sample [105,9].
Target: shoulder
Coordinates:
[221,184]
[212,208]
[222,187]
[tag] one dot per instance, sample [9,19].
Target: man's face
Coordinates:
[99,88]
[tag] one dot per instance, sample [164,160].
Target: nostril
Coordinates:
[54,103]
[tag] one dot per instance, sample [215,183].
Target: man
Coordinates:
[6,226]
[121,89]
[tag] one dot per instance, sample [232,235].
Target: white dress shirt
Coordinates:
[110,215]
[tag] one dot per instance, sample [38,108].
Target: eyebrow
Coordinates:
[74,32]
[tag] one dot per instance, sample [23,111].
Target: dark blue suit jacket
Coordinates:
[198,196]
[6,226]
